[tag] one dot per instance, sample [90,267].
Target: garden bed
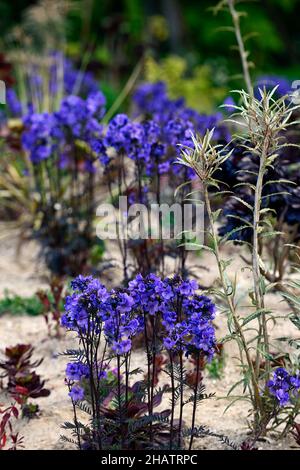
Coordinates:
[43,432]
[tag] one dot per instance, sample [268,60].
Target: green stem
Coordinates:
[257,278]
[125,92]
[257,398]
[243,53]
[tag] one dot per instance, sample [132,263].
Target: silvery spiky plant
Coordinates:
[264,121]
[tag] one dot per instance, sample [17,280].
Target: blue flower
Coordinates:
[37,138]
[13,103]
[76,393]
[76,371]
[169,343]
[83,81]
[121,347]
[269,82]
[185,316]
[283,385]
[125,303]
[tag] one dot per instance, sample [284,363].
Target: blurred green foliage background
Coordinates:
[181,42]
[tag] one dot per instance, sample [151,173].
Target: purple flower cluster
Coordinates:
[184,319]
[151,293]
[151,100]
[189,327]
[76,393]
[83,80]
[153,140]
[284,386]
[76,371]
[80,117]
[92,307]
[13,102]
[138,141]
[121,314]
[122,323]
[39,136]
[76,119]
[84,308]
[185,316]
[151,143]
[269,82]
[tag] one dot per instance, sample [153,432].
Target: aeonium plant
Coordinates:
[9,438]
[52,302]
[23,383]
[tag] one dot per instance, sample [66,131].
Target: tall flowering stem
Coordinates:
[230,301]
[257,278]
[243,53]
[230,7]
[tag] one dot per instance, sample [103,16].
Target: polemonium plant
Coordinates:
[175,323]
